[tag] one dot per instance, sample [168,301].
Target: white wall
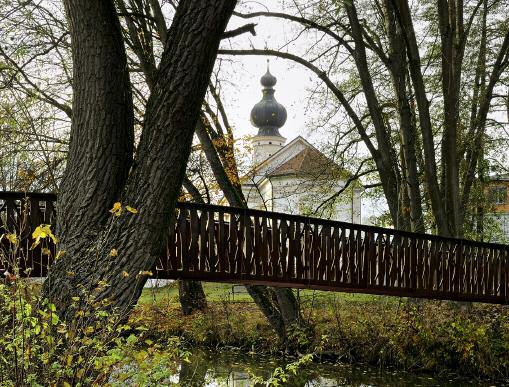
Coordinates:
[265,146]
[293,195]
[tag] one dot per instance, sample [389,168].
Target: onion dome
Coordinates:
[268,115]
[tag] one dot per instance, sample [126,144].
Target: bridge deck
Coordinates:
[226,244]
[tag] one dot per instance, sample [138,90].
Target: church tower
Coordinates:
[268,116]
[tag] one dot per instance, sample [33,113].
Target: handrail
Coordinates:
[301,218]
[17,195]
[329,222]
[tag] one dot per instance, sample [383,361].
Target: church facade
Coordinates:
[294,177]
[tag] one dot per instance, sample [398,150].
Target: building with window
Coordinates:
[294,177]
[498,197]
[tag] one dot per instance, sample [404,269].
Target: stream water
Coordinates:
[234,369]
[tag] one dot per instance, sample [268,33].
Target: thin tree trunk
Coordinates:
[285,310]
[397,57]
[414,62]
[450,24]
[191,296]
[479,122]
[389,171]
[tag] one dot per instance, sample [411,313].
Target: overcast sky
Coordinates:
[241,81]
[244,91]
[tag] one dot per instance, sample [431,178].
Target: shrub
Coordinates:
[95,347]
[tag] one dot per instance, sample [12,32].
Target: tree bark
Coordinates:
[157,173]
[144,50]
[398,69]
[389,171]
[414,63]
[102,133]
[450,21]
[191,296]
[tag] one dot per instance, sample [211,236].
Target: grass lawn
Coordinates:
[220,292]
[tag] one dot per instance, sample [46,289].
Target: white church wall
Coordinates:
[266,146]
[296,195]
[259,196]
[357,205]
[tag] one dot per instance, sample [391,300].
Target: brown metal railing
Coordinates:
[217,243]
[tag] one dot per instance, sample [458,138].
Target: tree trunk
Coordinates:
[102,133]
[284,311]
[144,50]
[191,296]
[414,63]
[398,68]
[388,170]
[451,27]
[157,173]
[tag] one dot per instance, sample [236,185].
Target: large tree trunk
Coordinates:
[157,173]
[102,134]
[142,44]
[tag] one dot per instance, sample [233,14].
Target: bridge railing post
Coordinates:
[506,273]
[365,260]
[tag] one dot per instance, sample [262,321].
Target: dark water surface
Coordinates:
[234,369]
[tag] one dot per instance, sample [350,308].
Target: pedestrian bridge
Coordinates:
[227,244]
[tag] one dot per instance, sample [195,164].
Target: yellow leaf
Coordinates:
[13,238]
[46,251]
[42,232]
[59,255]
[113,252]
[145,272]
[117,209]
[125,274]
[131,209]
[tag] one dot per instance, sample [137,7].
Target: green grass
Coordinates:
[217,292]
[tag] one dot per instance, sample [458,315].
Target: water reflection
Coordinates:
[234,370]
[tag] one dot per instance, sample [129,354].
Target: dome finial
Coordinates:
[268,115]
[268,80]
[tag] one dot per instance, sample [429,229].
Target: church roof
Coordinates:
[298,157]
[309,161]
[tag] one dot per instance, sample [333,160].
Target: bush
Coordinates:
[38,348]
